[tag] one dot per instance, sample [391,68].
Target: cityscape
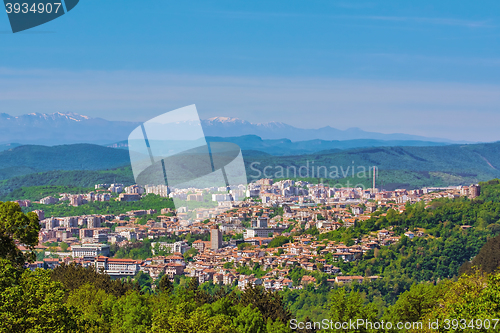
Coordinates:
[244,228]
[249,166]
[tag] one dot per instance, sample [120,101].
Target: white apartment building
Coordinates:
[90,250]
[117,267]
[261,232]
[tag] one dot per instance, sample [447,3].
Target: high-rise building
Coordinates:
[261,222]
[94,222]
[48,201]
[75,200]
[134,189]
[265,181]
[40,213]
[474,191]
[215,238]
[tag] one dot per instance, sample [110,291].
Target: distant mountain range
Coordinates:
[61,128]
[230,127]
[67,128]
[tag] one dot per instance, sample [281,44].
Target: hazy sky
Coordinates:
[429,67]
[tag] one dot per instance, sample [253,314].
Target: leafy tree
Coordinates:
[96,308]
[31,302]
[144,280]
[269,303]
[277,327]
[64,246]
[132,313]
[312,231]
[181,315]
[193,284]
[139,250]
[17,226]
[414,304]
[199,295]
[74,276]
[190,253]
[474,299]
[276,211]
[243,246]
[165,284]
[278,241]
[249,320]
[345,306]
[488,258]
[306,304]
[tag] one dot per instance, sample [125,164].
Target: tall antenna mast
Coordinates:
[374,176]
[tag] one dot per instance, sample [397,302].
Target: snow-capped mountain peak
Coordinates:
[35,116]
[61,128]
[237,121]
[224,120]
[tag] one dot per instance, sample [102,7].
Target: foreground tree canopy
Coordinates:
[17,226]
[32,301]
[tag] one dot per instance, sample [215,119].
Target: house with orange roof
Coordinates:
[306,279]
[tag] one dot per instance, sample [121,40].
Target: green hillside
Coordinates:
[398,167]
[75,178]
[478,161]
[28,159]
[284,147]
[39,192]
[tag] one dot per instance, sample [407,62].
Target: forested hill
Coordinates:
[78,178]
[407,167]
[479,159]
[475,159]
[65,157]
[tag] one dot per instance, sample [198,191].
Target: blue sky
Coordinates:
[428,68]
